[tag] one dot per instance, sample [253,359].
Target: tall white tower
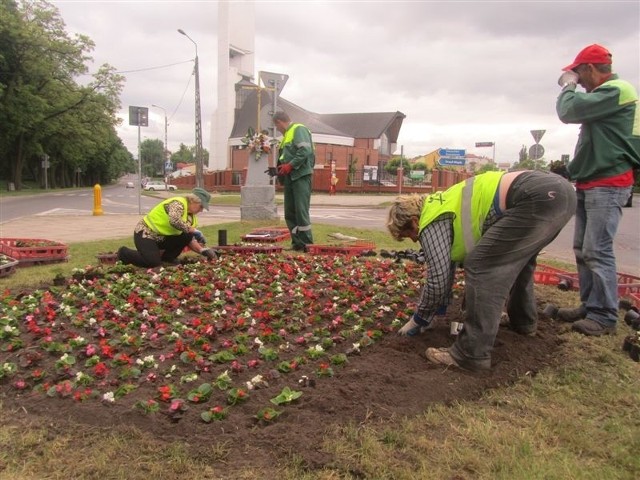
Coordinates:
[236,47]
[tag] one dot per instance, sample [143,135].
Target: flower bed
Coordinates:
[199,339]
[33,251]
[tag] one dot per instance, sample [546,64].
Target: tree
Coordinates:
[152,157]
[525,163]
[487,167]
[419,166]
[42,108]
[184,155]
[395,163]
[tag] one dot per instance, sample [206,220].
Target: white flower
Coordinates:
[108,397]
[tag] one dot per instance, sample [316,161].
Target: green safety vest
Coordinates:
[158,220]
[470,202]
[288,138]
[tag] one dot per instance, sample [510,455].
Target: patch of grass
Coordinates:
[577,419]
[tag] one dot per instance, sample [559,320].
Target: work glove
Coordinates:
[285,169]
[568,77]
[199,237]
[412,328]
[209,254]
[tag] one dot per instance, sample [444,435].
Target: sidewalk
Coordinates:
[74,227]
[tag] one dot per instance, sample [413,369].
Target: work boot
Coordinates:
[592,328]
[441,356]
[571,315]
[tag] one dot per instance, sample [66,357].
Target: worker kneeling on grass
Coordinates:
[495,224]
[170,226]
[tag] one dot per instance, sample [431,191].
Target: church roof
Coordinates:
[354,125]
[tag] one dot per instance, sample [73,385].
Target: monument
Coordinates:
[258,193]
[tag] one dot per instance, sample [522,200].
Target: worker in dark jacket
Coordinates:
[295,167]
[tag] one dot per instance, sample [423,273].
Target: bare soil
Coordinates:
[388,379]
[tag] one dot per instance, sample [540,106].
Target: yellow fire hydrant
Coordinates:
[97,200]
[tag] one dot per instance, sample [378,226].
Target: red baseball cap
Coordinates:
[592,54]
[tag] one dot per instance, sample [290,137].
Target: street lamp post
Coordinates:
[166,146]
[199,160]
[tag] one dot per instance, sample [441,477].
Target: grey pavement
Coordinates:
[76,226]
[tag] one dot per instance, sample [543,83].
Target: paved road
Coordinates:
[67,217]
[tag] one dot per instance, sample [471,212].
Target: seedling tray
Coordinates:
[267,235]
[33,251]
[357,247]
[9,267]
[107,258]
[249,249]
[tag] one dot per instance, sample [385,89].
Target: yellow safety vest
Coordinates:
[469,201]
[288,138]
[158,220]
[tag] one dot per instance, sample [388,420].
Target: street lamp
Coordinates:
[199,160]
[166,146]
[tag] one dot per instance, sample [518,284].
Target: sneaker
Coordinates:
[571,315]
[592,328]
[441,356]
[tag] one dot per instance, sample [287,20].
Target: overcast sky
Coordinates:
[461,71]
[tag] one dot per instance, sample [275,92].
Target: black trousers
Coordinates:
[150,253]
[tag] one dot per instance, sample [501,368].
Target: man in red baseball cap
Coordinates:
[595,54]
[607,152]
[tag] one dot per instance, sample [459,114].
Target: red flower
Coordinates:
[100,370]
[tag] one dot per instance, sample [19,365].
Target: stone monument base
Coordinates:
[258,202]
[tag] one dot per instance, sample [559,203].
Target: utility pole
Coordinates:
[199,159]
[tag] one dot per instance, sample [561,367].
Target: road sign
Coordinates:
[452,161]
[537,135]
[536,152]
[139,116]
[484,144]
[445,152]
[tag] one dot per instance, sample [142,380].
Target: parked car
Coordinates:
[152,186]
[129,185]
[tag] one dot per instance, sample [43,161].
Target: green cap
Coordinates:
[203,195]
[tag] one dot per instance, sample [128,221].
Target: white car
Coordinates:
[130,185]
[152,186]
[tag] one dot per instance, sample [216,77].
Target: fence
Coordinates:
[364,180]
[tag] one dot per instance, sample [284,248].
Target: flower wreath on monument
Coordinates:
[258,143]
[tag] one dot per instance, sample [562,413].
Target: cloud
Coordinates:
[461,71]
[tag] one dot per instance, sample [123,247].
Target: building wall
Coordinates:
[326,154]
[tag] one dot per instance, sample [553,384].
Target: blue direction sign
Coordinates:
[446,152]
[457,161]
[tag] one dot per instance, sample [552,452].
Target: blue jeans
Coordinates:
[597,217]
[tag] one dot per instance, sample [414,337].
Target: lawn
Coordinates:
[143,374]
